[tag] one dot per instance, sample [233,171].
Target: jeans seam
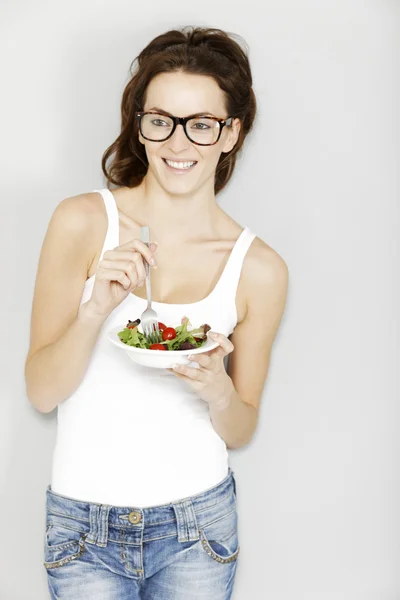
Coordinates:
[55,524]
[162,537]
[210,506]
[125,543]
[53,512]
[124,557]
[161,522]
[219,519]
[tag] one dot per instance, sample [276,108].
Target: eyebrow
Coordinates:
[165,112]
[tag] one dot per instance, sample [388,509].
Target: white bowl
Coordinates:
[159,359]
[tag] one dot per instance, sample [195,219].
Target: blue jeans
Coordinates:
[179,551]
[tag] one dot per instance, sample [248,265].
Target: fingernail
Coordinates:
[191,356]
[212,333]
[153,262]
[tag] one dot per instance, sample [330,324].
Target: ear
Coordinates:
[233,135]
[141,139]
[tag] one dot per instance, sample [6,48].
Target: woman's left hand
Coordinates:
[211,381]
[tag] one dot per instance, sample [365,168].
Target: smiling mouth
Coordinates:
[180,165]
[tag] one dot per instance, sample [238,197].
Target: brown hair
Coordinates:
[195,50]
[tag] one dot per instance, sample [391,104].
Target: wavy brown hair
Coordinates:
[195,50]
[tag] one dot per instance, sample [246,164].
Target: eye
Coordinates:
[202,124]
[159,123]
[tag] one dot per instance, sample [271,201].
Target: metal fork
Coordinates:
[149,317]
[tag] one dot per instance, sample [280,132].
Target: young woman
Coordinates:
[142,502]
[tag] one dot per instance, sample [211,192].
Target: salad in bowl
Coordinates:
[174,345]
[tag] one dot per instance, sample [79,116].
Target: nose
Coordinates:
[178,141]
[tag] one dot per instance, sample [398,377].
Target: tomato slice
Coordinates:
[157,347]
[169,334]
[131,326]
[161,326]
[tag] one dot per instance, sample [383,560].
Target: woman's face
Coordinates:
[180,95]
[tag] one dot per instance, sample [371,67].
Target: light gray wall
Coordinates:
[319,487]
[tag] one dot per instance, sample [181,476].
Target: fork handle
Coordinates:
[145,238]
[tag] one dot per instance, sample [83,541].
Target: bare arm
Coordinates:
[62,337]
[63,333]
[235,416]
[234,394]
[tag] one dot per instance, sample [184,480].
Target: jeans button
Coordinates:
[134,517]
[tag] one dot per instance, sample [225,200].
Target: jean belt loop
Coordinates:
[102,536]
[94,522]
[188,530]
[98,533]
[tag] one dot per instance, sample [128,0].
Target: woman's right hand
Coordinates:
[119,272]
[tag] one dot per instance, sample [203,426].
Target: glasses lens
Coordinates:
[156,127]
[202,130]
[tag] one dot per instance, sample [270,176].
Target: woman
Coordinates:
[142,503]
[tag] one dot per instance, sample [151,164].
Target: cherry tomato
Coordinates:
[161,326]
[168,334]
[157,347]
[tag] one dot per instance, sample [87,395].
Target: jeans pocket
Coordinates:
[220,538]
[62,545]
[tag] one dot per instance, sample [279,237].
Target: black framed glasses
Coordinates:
[202,130]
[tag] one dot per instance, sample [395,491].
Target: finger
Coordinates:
[139,266]
[134,269]
[126,254]
[178,375]
[204,360]
[114,275]
[144,250]
[225,346]
[189,372]
[117,254]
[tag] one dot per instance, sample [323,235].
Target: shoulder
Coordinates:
[264,266]
[77,229]
[79,214]
[265,277]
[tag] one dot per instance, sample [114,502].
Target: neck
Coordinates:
[180,217]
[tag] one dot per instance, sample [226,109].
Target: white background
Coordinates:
[318,488]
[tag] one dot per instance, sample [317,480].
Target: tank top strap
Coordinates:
[229,280]
[112,236]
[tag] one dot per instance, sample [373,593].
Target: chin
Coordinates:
[178,190]
[177,185]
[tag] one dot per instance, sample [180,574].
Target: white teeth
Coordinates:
[180,165]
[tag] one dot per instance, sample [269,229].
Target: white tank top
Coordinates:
[136,436]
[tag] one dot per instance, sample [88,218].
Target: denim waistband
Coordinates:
[183,515]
